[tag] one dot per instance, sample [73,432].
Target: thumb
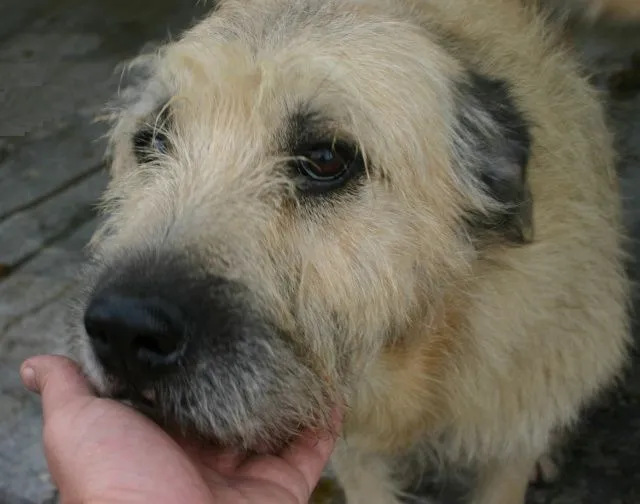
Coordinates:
[57,379]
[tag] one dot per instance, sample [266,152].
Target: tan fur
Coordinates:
[474,354]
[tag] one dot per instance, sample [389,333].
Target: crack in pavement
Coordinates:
[79,219]
[54,192]
[15,320]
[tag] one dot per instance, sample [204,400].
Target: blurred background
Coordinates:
[58,66]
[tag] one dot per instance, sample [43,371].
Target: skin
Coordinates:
[100,451]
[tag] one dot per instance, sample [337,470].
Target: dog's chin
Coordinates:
[141,401]
[197,427]
[215,415]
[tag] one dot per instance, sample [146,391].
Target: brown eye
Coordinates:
[327,166]
[148,143]
[324,163]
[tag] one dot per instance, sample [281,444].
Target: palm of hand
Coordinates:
[101,451]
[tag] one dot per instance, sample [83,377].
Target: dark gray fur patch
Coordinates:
[494,144]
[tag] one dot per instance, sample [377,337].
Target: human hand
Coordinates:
[100,451]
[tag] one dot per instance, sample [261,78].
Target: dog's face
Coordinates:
[294,185]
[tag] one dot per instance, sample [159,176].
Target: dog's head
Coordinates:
[294,185]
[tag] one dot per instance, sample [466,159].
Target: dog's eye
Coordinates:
[323,163]
[327,166]
[147,143]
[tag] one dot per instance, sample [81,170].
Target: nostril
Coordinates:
[97,334]
[133,332]
[149,345]
[155,350]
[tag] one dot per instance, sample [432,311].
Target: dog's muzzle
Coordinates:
[194,350]
[149,319]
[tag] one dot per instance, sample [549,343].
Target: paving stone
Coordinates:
[58,67]
[37,323]
[26,232]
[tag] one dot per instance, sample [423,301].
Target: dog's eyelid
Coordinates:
[148,143]
[151,139]
[349,153]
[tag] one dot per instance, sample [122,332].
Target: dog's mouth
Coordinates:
[145,401]
[148,403]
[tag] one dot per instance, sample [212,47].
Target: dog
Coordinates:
[405,207]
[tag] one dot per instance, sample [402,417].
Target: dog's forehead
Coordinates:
[274,19]
[273,56]
[252,69]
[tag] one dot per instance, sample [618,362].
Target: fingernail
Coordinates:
[28,376]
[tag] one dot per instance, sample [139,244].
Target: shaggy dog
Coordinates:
[405,206]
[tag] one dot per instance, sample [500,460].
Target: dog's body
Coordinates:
[459,285]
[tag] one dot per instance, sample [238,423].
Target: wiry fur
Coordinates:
[439,336]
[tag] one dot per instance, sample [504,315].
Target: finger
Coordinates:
[219,460]
[299,467]
[225,462]
[310,453]
[57,379]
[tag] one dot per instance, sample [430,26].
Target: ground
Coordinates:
[58,62]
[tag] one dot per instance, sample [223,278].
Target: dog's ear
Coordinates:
[493,143]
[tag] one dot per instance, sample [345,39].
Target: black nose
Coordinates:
[134,335]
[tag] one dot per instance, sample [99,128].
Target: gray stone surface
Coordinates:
[57,68]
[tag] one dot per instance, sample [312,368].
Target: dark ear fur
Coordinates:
[493,144]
